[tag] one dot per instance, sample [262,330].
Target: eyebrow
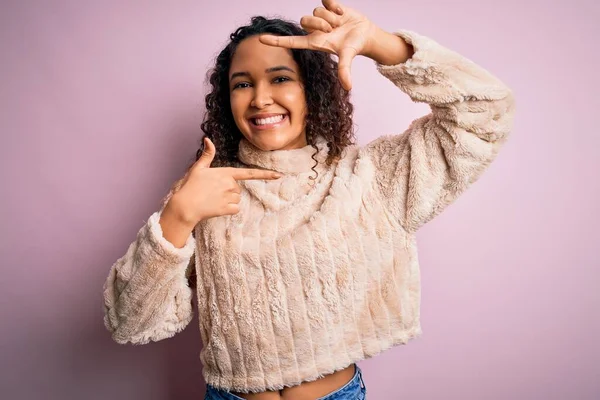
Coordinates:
[268,71]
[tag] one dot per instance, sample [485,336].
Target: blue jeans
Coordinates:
[353,390]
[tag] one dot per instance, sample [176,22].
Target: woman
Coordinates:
[303,243]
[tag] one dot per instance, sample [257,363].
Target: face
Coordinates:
[267,97]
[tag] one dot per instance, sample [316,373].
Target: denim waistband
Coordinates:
[350,390]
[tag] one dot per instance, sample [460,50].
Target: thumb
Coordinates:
[345,61]
[208,154]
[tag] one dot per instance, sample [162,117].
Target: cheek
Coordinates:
[238,108]
[295,102]
[234,102]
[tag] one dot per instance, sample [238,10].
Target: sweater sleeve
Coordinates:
[420,172]
[146,295]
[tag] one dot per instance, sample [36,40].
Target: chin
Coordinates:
[272,141]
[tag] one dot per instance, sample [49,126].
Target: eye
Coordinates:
[281,79]
[241,85]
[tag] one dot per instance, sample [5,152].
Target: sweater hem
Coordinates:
[217,382]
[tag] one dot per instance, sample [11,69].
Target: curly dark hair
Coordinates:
[329,111]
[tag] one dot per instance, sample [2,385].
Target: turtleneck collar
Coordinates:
[295,161]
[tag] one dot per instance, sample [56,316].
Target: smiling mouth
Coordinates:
[270,122]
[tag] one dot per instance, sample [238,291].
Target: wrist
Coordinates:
[386,48]
[173,230]
[174,213]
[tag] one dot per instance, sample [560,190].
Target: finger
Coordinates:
[347,54]
[311,24]
[329,17]
[233,198]
[288,42]
[333,5]
[231,209]
[240,174]
[235,188]
[208,154]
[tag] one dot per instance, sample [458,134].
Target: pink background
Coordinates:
[100,106]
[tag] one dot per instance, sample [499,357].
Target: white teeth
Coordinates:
[270,120]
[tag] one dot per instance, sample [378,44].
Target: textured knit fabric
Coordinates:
[310,277]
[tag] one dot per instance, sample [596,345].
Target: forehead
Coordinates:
[253,56]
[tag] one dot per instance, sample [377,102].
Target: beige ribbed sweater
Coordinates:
[308,279]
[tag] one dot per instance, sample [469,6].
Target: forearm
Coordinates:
[424,169]
[146,295]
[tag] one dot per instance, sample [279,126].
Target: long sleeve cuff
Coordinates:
[438,75]
[165,248]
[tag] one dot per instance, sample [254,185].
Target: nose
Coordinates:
[262,96]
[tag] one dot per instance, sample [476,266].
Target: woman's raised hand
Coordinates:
[206,192]
[334,29]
